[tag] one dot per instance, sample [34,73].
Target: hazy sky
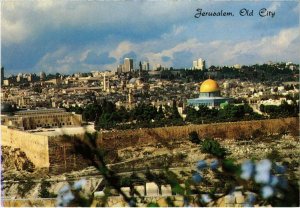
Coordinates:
[71,36]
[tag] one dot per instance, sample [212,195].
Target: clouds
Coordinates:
[74,36]
[101,59]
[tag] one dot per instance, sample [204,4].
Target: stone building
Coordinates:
[46,118]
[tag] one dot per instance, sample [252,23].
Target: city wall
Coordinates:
[57,153]
[35,146]
[230,130]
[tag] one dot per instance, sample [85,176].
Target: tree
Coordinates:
[194,138]
[160,113]
[213,147]
[91,111]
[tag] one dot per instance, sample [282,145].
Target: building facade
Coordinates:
[45,118]
[128,65]
[199,64]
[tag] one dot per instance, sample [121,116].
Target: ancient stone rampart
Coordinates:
[35,146]
[231,130]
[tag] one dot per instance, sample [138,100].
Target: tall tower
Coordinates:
[146,66]
[104,83]
[128,65]
[130,98]
[201,64]
[42,76]
[2,75]
[108,86]
[119,69]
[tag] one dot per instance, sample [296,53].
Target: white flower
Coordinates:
[247,170]
[267,191]
[214,164]
[263,166]
[205,198]
[201,164]
[197,178]
[65,196]
[262,177]
[250,200]
[79,184]
[68,197]
[262,169]
[64,189]
[274,181]
[280,169]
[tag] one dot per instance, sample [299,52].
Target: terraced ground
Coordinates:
[180,155]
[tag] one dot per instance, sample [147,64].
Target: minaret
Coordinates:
[108,86]
[104,83]
[130,96]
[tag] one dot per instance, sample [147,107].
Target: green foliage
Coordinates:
[144,112]
[91,111]
[44,193]
[25,186]
[152,204]
[283,110]
[274,155]
[213,147]
[76,109]
[253,73]
[229,113]
[229,165]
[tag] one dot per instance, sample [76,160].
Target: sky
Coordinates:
[80,36]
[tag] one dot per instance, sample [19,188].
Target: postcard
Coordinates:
[149,103]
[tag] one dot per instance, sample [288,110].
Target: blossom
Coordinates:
[132,203]
[262,177]
[79,184]
[267,192]
[251,198]
[214,164]
[197,178]
[64,189]
[263,168]
[65,196]
[205,198]
[263,165]
[201,164]
[186,202]
[247,170]
[274,180]
[280,169]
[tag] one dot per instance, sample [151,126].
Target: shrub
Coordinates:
[213,147]
[44,193]
[274,155]
[25,186]
[194,138]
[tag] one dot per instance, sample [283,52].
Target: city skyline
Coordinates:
[73,36]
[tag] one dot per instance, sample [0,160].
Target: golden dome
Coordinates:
[209,85]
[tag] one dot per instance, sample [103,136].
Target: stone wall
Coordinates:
[35,146]
[230,130]
[58,152]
